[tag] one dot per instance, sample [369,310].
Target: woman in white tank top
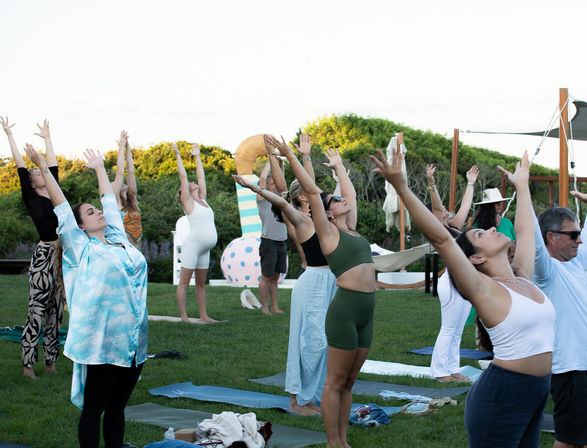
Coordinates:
[506,404]
[195,248]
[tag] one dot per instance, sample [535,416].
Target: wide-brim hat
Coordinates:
[491,196]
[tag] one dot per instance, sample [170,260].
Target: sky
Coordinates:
[219,72]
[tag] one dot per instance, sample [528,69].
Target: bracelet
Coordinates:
[306,159]
[472,184]
[432,187]
[259,190]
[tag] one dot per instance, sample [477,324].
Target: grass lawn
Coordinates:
[247,345]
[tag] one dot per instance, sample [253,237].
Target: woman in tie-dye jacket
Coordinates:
[106,289]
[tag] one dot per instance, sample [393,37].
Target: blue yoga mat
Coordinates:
[239,397]
[468,353]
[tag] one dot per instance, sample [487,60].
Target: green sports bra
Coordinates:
[350,252]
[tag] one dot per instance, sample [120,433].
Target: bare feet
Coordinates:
[460,377]
[28,372]
[446,379]
[302,410]
[277,311]
[314,406]
[207,319]
[50,368]
[185,318]
[265,310]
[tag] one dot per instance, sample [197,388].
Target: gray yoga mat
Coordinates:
[362,387]
[166,417]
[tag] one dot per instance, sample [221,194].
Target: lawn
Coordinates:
[245,345]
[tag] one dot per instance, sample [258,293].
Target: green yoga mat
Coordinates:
[15,334]
[176,418]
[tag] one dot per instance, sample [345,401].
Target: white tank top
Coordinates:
[527,330]
[201,218]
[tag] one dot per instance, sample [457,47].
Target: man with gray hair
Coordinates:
[561,272]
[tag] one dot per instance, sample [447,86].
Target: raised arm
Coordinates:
[18,159]
[437,207]
[96,163]
[327,235]
[461,216]
[524,258]
[473,285]
[276,171]
[131,181]
[202,192]
[186,200]
[45,134]
[53,188]
[347,190]
[304,148]
[294,216]
[119,178]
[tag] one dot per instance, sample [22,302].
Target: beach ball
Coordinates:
[240,262]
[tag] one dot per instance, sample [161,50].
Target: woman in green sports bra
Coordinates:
[349,321]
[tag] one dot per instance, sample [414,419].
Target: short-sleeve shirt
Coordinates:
[507,228]
[271,227]
[40,208]
[106,291]
[565,283]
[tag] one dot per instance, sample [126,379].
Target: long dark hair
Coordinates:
[467,247]
[76,213]
[485,218]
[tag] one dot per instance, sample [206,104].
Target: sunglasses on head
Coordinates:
[573,234]
[333,198]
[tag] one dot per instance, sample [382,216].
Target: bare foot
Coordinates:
[302,410]
[265,310]
[185,318]
[314,406]
[28,372]
[207,319]
[277,311]
[460,377]
[50,368]
[446,379]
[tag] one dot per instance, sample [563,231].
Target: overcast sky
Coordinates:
[219,72]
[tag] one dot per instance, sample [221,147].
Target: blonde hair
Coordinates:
[295,190]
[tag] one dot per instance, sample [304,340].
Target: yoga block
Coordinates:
[187,434]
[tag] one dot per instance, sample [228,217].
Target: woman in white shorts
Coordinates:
[196,246]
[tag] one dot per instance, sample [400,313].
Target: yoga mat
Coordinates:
[363,387]
[166,417]
[469,353]
[191,320]
[396,368]
[15,335]
[239,397]
[547,423]
[12,445]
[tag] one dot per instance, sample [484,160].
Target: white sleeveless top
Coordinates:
[527,330]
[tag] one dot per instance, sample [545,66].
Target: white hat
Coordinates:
[249,301]
[491,196]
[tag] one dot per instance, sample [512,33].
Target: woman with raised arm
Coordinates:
[505,405]
[106,288]
[46,297]
[126,194]
[313,291]
[454,310]
[196,246]
[349,320]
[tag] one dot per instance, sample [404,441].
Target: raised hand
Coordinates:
[34,155]
[241,181]
[94,159]
[334,158]
[123,141]
[44,130]
[195,149]
[581,196]
[271,142]
[175,150]
[522,173]
[305,145]
[7,127]
[391,172]
[472,174]
[430,170]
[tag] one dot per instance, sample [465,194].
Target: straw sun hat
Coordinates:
[491,196]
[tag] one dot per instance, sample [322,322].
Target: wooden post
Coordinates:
[402,216]
[563,184]
[454,172]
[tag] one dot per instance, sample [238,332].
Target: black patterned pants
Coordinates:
[46,302]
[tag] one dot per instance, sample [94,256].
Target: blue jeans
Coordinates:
[504,409]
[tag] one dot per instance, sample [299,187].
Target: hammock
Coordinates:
[397,260]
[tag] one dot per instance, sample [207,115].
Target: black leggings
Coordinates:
[108,388]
